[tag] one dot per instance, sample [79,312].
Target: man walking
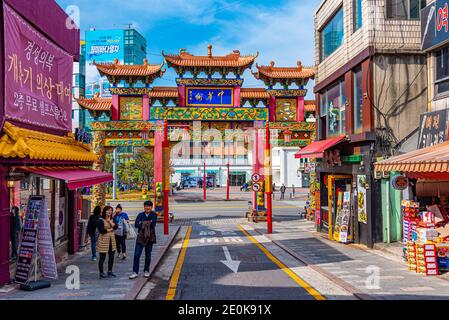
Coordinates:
[146,237]
[283,188]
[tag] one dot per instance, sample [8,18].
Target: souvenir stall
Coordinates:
[425,208]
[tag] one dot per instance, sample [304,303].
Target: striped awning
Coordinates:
[433,159]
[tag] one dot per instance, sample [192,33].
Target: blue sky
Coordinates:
[281,31]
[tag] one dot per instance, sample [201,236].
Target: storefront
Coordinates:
[342,189]
[39,155]
[424,177]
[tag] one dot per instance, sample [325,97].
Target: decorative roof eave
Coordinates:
[131,74]
[95,104]
[286,76]
[209,64]
[24,143]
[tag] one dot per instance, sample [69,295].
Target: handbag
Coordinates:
[125,227]
[131,233]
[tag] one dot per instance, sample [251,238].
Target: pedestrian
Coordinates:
[93,232]
[244,187]
[146,237]
[106,241]
[283,188]
[121,219]
[293,189]
[15,227]
[274,187]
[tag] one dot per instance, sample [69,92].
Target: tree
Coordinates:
[144,163]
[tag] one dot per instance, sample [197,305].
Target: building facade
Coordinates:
[79,87]
[371,80]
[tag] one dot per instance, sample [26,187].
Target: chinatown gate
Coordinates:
[209,114]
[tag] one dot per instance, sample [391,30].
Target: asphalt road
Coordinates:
[222,263]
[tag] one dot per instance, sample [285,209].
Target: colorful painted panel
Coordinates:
[131,108]
[286,110]
[211,97]
[217,114]
[122,126]
[128,143]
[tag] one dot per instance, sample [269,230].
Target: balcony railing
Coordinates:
[210,162]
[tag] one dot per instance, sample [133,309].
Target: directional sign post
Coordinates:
[256,187]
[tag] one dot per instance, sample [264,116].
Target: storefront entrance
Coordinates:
[237,179]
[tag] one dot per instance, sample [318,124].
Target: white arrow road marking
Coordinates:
[231,264]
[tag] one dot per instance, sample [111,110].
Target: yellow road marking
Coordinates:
[284,268]
[177,271]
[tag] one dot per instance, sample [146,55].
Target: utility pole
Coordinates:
[114,172]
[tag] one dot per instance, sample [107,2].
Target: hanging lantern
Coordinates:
[287,136]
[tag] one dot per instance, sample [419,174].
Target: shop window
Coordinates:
[358,101]
[442,72]
[333,104]
[331,36]
[405,9]
[357,14]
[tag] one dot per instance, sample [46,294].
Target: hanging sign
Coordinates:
[361,199]
[399,183]
[432,129]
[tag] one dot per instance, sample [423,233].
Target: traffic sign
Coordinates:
[256,178]
[257,187]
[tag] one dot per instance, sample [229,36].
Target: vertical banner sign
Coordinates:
[339,209]
[345,216]
[432,129]
[38,76]
[361,199]
[45,244]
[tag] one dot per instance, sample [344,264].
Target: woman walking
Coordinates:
[121,219]
[92,231]
[106,241]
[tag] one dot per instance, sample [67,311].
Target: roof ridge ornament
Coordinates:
[299,63]
[272,63]
[116,61]
[209,51]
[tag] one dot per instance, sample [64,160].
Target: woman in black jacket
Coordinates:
[92,231]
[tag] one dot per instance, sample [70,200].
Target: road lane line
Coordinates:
[178,268]
[314,293]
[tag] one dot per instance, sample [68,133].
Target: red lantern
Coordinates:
[287,136]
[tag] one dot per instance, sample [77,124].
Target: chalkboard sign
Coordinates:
[432,129]
[26,253]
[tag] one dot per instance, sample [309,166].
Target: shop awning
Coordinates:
[423,163]
[74,177]
[317,148]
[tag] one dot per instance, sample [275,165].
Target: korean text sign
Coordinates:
[38,76]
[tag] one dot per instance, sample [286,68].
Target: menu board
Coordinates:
[25,259]
[345,217]
[45,245]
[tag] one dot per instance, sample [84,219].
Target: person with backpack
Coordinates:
[106,241]
[121,219]
[146,237]
[92,231]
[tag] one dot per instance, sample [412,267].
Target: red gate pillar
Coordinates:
[158,167]
[268,180]
[166,175]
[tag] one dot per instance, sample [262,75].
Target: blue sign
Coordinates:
[210,97]
[105,45]
[434,25]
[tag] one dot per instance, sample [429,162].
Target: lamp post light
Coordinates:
[287,136]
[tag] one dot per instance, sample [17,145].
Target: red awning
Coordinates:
[75,178]
[317,148]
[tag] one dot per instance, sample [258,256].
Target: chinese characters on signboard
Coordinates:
[219,97]
[38,76]
[434,24]
[432,129]
[361,199]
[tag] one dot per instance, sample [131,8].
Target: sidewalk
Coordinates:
[91,287]
[352,267]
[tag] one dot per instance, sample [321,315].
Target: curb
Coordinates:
[141,282]
[341,283]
